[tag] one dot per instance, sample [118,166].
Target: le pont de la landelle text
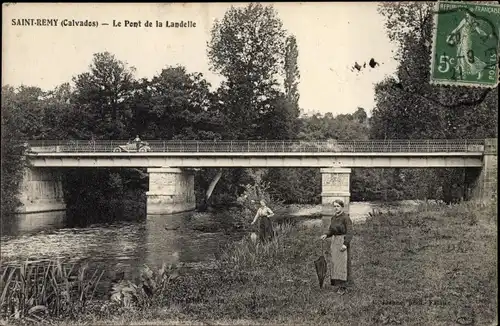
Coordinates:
[90,23]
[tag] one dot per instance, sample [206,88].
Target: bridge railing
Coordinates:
[264,146]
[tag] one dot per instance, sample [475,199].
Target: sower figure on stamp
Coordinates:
[340,231]
[467,62]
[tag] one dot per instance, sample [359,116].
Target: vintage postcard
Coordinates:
[249,163]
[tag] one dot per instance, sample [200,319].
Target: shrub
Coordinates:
[152,287]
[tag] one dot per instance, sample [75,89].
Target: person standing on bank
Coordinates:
[341,232]
[264,213]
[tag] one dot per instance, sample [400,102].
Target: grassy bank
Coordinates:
[436,266]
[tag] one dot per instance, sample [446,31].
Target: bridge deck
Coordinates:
[265,147]
[193,154]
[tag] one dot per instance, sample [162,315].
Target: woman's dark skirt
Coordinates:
[266,232]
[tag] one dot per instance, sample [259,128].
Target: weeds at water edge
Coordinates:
[152,286]
[38,290]
[247,253]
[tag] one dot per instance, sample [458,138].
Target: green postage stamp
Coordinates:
[466,44]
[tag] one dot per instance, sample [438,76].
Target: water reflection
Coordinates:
[175,239]
[164,238]
[32,223]
[118,247]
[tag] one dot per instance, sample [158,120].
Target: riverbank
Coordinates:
[356,210]
[433,266]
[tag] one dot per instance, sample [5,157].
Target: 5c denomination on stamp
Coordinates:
[466,44]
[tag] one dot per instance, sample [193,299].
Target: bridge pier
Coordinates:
[41,191]
[171,190]
[335,184]
[486,185]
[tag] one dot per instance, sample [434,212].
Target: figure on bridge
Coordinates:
[264,213]
[137,141]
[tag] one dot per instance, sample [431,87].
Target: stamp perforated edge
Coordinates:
[433,53]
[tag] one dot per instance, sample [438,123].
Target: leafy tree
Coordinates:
[292,74]
[340,127]
[247,47]
[280,120]
[408,106]
[295,185]
[292,77]
[259,97]
[361,116]
[59,113]
[141,104]
[182,106]
[24,103]
[102,96]
[12,159]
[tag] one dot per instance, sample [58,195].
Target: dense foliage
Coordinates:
[12,158]
[258,99]
[409,107]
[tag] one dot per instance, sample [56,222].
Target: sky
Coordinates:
[331,37]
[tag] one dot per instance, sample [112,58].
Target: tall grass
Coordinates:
[38,290]
[43,291]
[473,211]
[247,253]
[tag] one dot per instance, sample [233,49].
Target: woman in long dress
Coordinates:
[340,231]
[263,214]
[468,64]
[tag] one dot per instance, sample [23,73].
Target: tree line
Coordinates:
[258,99]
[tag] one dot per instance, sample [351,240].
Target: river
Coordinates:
[122,247]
